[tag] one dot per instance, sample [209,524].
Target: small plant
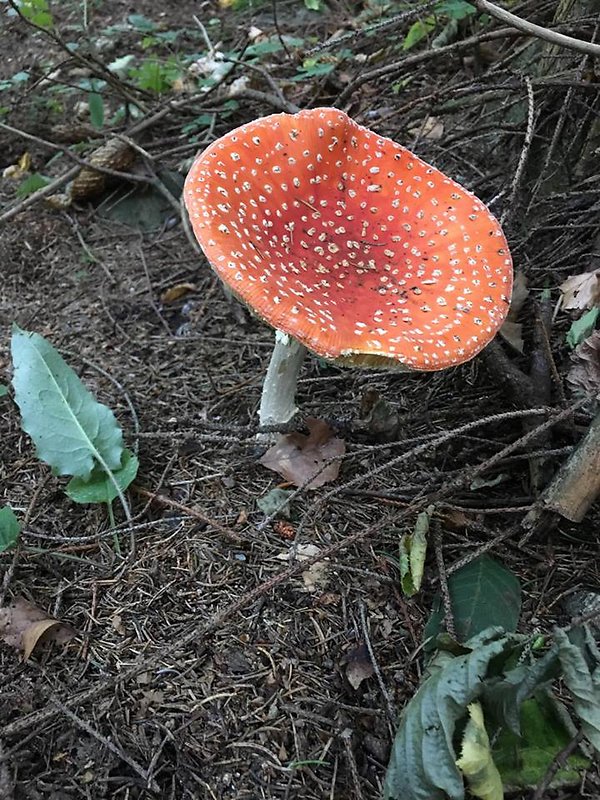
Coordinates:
[72,432]
[484,714]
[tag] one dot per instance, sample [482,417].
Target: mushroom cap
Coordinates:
[349,242]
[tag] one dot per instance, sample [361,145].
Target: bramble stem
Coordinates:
[277,404]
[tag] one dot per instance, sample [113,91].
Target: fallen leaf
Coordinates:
[316,576]
[378,417]
[581,291]
[303,460]
[432,128]
[584,375]
[176,292]
[275,501]
[581,328]
[511,330]
[359,666]
[23,626]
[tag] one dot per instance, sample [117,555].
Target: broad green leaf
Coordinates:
[96,106]
[143,207]
[482,593]
[417,31]
[581,328]
[524,760]
[140,22]
[476,762]
[10,528]
[72,432]
[100,488]
[314,5]
[36,11]
[580,661]
[456,9]
[3,390]
[423,761]
[413,548]
[31,184]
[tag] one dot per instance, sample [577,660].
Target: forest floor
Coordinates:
[206,664]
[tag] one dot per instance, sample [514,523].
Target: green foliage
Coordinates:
[451,10]
[10,528]
[37,12]
[96,107]
[155,76]
[100,488]
[31,184]
[314,5]
[581,328]
[580,663]
[524,760]
[413,548]
[17,79]
[423,759]
[3,390]
[483,592]
[72,432]
[275,502]
[476,762]
[418,30]
[456,9]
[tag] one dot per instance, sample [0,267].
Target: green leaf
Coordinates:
[96,106]
[275,502]
[143,207]
[524,760]
[72,432]
[423,761]
[141,23]
[10,528]
[100,488]
[314,5]
[456,9]
[581,328]
[413,548]
[482,593]
[36,11]
[476,762]
[31,184]
[580,662]
[3,390]
[417,31]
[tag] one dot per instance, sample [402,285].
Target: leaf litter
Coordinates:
[23,625]
[307,461]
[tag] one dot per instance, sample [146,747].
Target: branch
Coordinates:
[529,28]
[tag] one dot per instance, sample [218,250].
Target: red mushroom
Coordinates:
[348,244]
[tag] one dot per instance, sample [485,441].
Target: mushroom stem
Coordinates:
[277,404]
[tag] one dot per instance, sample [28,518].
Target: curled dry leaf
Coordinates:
[584,375]
[174,293]
[303,460]
[581,292]
[511,330]
[23,626]
[115,154]
[359,666]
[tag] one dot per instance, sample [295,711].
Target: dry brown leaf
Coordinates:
[176,292]
[584,375]
[23,626]
[359,666]
[511,330]
[301,459]
[581,291]
[433,128]
[114,154]
[316,576]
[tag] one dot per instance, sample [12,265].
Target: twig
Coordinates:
[117,751]
[346,737]
[389,706]
[6,782]
[531,29]
[269,99]
[558,762]
[39,195]
[509,209]
[445,591]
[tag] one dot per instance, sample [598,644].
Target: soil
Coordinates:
[190,675]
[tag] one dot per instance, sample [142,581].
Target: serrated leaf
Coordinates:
[524,760]
[580,662]
[10,528]
[482,593]
[96,107]
[72,432]
[476,762]
[413,549]
[100,488]
[422,764]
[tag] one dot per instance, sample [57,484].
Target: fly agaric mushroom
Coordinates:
[348,245]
